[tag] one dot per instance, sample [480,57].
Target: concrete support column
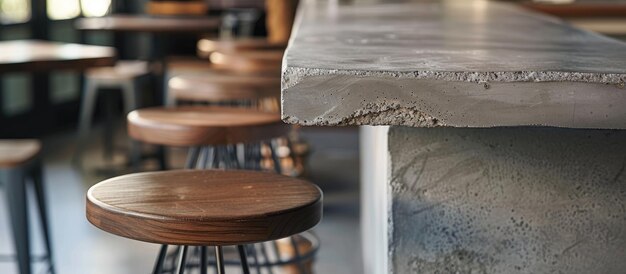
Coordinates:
[507,200]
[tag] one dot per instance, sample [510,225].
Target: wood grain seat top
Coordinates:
[180,65]
[17,152]
[247,61]
[204,125]
[204,207]
[223,86]
[207,45]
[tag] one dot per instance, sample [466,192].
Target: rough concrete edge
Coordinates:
[291,76]
[389,113]
[375,114]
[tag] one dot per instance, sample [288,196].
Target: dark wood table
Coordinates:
[41,56]
[147,23]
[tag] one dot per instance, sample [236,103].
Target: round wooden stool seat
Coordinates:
[216,87]
[204,125]
[180,66]
[206,46]
[17,152]
[204,207]
[248,61]
[121,71]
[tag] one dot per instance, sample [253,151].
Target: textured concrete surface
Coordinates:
[453,63]
[511,200]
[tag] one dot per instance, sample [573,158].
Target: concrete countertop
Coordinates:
[448,63]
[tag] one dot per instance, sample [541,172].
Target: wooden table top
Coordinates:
[146,23]
[204,207]
[39,55]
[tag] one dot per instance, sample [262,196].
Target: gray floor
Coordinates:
[81,248]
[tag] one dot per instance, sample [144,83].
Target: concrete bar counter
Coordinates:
[499,144]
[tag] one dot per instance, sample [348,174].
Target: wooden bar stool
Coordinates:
[190,126]
[19,162]
[212,131]
[206,46]
[249,61]
[204,208]
[221,137]
[123,76]
[223,88]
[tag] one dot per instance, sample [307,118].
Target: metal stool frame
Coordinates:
[227,157]
[15,180]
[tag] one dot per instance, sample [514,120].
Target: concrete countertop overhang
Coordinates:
[448,63]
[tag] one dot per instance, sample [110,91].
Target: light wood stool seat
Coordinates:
[14,153]
[206,46]
[219,87]
[248,61]
[204,207]
[123,70]
[204,125]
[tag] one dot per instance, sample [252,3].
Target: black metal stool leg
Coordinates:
[276,251]
[257,263]
[296,251]
[203,260]
[232,152]
[182,260]
[37,177]
[266,258]
[109,105]
[158,265]
[204,158]
[275,158]
[247,156]
[244,259]
[192,157]
[256,156]
[225,157]
[161,154]
[216,157]
[18,211]
[210,157]
[219,259]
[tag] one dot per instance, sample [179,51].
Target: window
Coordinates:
[95,8]
[14,11]
[17,97]
[68,9]
[63,9]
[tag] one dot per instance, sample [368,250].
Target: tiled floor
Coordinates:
[82,249]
